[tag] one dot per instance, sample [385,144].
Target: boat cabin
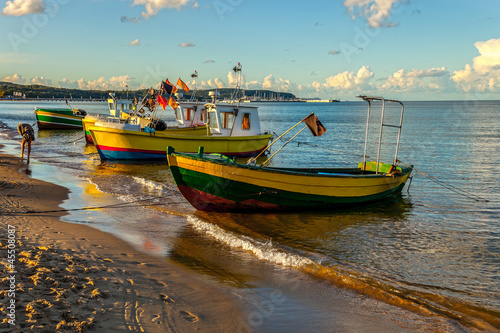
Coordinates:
[189,114]
[233,120]
[121,107]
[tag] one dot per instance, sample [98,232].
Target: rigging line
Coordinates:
[448,186]
[118,205]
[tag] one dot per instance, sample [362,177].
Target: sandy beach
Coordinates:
[63,277]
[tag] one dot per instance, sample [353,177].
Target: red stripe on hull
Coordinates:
[209,202]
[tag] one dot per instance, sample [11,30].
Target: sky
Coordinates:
[400,49]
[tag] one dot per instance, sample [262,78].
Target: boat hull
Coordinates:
[220,185]
[57,119]
[117,144]
[86,123]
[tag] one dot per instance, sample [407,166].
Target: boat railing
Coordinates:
[382,125]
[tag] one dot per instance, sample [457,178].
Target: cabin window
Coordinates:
[213,120]
[204,115]
[188,114]
[227,119]
[123,107]
[245,123]
[111,105]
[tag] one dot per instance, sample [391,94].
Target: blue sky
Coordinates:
[410,50]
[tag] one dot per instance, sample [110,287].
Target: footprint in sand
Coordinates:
[159,283]
[166,298]
[189,316]
[156,319]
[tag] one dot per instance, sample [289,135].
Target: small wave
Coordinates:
[152,185]
[265,251]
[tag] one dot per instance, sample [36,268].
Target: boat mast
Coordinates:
[195,77]
[236,69]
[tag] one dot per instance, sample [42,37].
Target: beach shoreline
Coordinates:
[62,276]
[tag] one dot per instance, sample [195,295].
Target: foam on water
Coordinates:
[264,251]
[153,186]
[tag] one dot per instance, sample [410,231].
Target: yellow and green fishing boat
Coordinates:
[214,182]
[59,118]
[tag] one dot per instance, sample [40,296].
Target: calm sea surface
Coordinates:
[426,260]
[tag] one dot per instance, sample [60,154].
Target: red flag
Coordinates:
[181,84]
[316,127]
[174,88]
[163,102]
[173,104]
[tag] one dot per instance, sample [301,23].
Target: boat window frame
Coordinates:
[188,113]
[210,118]
[246,115]
[227,119]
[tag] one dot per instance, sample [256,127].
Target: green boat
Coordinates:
[59,118]
[213,182]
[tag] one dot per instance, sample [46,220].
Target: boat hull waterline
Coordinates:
[117,144]
[218,184]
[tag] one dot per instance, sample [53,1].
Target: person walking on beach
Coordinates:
[28,135]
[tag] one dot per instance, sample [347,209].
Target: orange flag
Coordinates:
[173,104]
[181,84]
[174,88]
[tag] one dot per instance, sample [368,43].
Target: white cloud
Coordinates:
[41,80]
[152,7]
[186,45]
[350,81]
[23,7]
[114,83]
[212,84]
[66,83]
[376,12]
[135,43]
[280,84]
[334,52]
[16,78]
[416,80]
[484,74]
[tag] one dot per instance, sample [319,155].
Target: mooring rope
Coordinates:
[448,186]
[437,181]
[118,205]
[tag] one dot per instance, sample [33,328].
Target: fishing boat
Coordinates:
[230,129]
[233,130]
[214,182]
[70,118]
[120,111]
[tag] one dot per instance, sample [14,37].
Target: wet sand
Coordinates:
[63,277]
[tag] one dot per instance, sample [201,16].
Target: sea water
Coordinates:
[431,252]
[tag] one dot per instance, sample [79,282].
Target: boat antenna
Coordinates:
[236,69]
[195,77]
